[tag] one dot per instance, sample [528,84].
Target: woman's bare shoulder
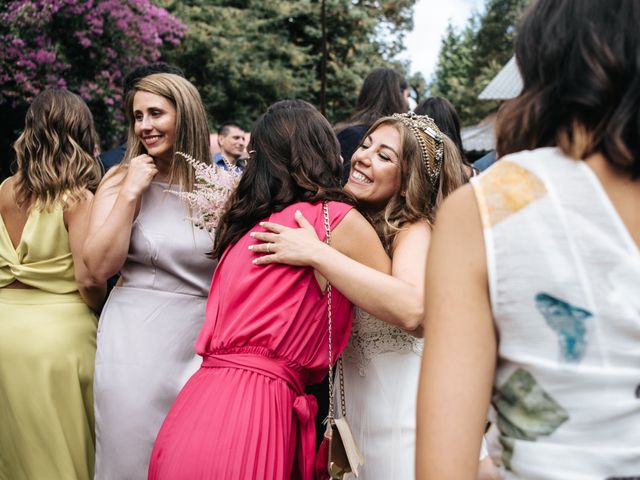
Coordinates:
[6,192]
[112,180]
[356,238]
[415,233]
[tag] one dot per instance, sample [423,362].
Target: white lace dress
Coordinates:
[381,371]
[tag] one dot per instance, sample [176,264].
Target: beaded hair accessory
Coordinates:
[432,147]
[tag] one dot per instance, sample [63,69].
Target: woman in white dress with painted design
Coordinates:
[400,172]
[535,267]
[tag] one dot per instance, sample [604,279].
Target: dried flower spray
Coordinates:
[212,188]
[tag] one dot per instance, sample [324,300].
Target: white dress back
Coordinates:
[564,279]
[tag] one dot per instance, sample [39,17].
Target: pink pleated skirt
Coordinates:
[228,423]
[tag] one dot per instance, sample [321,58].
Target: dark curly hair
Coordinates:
[295,157]
[580,65]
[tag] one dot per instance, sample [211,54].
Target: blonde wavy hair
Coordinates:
[56,152]
[417,199]
[192,129]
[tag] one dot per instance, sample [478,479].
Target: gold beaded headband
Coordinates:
[426,125]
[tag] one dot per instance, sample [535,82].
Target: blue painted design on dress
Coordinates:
[568,322]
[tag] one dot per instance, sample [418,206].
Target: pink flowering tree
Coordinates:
[86,46]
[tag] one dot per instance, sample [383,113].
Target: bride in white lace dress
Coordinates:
[399,174]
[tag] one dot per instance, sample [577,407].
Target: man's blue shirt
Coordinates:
[219,161]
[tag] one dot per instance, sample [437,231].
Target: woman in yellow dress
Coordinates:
[47,326]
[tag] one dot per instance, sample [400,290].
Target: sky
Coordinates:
[430,21]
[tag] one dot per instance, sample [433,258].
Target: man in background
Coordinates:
[233,147]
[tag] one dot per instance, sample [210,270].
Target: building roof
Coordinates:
[506,84]
[478,138]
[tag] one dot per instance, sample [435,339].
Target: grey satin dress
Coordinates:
[147,332]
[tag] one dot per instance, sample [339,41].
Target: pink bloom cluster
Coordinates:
[84,45]
[212,189]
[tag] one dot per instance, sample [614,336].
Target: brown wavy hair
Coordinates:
[56,154]
[295,157]
[192,129]
[416,199]
[580,66]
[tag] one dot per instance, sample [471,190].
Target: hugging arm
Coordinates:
[391,292]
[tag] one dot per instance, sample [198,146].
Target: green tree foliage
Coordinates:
[244,55]
[361,35]
[85,46]
[239,58]
[470,58]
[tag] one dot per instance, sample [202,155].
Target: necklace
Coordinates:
[230,166]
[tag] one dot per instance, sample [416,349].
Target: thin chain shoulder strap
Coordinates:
[331,414]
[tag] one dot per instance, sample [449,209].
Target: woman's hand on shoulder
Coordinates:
[140,173]
[130,180]
[353,236]
[291,246]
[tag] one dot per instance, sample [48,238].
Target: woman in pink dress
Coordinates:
[244,414]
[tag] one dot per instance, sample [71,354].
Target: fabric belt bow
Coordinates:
[304,406]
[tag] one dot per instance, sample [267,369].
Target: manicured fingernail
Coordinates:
[252,235]
[261,224]
[254,261]
[250,247]
[298,212]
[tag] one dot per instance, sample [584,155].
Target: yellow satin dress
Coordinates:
[47,353]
